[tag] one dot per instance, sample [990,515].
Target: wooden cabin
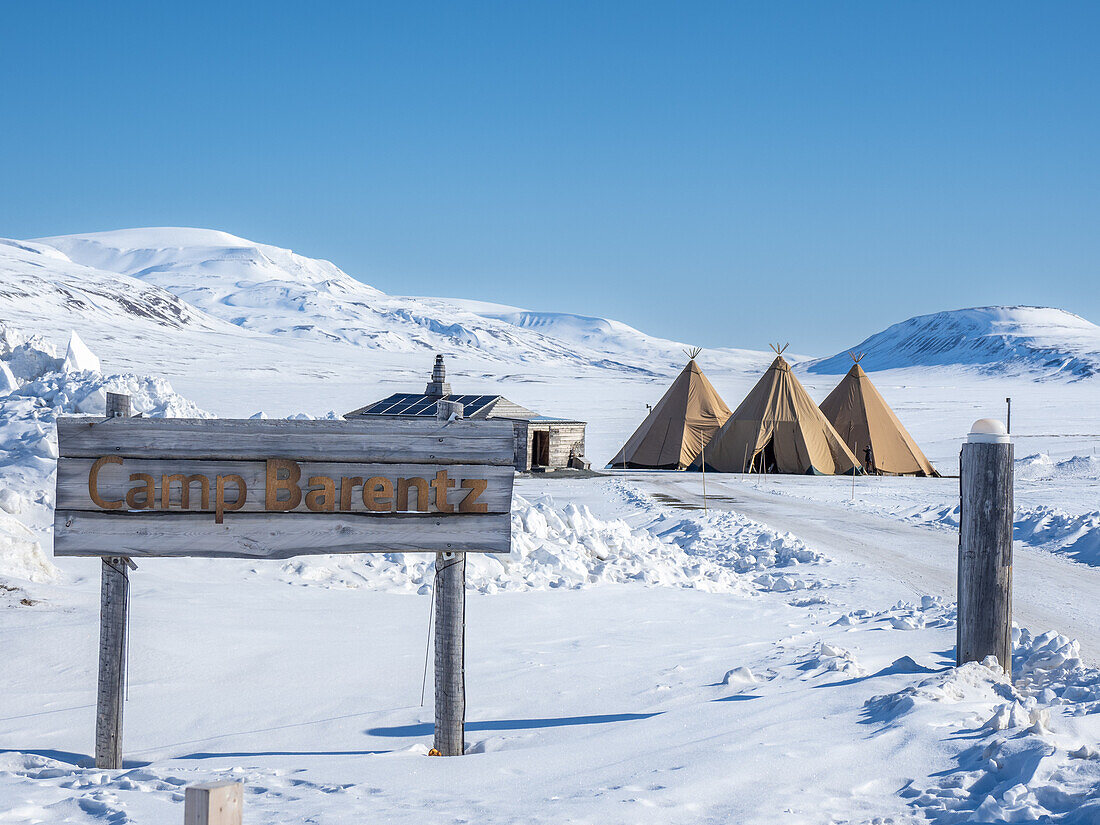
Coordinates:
[542,443]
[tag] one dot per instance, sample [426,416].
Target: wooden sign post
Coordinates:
[450,636]
[114,609]
[270,489]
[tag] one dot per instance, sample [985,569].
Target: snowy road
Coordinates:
[1050,593]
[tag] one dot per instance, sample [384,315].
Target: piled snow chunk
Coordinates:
[1049,669]
[7,379]
[11,502]
[739,677]
[26,357]
[830,658]
[931,612]
[78,358]
[21,556]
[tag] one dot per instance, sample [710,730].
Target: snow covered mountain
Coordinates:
[150,285]
[42,289]
[1041,342]
[270,290]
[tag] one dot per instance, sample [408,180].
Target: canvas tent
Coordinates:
[677,428]
[778,429]
[862,417]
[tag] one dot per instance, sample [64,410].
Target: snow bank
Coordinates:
[1026,761]
[1040,526]
[569,547]
[736,541]
[28,443]
[85,393]
[1041,467]
[731,539]
[552,547]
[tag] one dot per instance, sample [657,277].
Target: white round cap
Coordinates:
[988,431]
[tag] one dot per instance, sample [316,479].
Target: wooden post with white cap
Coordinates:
[985,545]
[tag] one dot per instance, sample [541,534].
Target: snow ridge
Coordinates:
[1037,341]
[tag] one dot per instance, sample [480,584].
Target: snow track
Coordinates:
[1050,593]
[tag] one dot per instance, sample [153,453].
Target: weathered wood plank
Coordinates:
[985,553]
[274,535]
[113,484]
[114,600]
[361,441]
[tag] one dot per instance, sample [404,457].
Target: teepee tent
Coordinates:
[677,428]
[863,418]
[778,429]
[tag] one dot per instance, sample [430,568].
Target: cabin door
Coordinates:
[540,448]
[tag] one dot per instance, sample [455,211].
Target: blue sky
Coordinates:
[724,174]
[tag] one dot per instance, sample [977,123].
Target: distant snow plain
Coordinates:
[634,659]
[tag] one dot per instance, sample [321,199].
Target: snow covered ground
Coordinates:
[628,662]
[784,656]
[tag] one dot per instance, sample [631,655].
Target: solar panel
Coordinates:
[408,404]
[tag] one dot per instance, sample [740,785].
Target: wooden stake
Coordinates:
[113,610]
[450,644]
[854,481]
[118,405]
[985,546]
[213,803]
[703,467]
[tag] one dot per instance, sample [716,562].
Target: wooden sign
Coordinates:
[274,489]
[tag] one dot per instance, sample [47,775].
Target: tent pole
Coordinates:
[857,457]
[703,467]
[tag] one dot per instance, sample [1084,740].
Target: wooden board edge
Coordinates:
[400,531]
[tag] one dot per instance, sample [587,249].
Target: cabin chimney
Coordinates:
[438,386]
